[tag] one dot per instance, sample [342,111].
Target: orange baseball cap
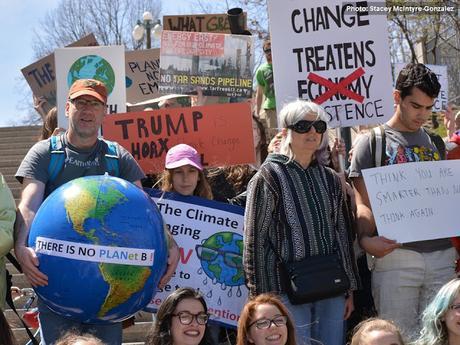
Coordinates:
[90,87]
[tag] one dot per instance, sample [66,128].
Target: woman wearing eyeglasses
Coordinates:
[441,318]
[180,320]
[293,212]
[265,320]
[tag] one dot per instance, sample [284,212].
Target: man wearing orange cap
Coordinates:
[84,155]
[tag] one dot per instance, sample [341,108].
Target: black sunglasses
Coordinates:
[267,50]
[304,126]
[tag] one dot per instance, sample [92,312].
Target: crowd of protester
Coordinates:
[298,204]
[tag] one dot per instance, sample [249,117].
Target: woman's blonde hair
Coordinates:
[362,330]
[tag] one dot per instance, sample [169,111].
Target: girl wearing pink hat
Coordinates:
[183,173]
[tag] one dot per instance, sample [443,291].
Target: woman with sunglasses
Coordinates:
[180,320]
[265,320]
[294,211]
[441,318]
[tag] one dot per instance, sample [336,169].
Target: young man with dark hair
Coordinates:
[405,276]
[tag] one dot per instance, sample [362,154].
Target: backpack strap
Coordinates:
[57,157]
[378,143]
[111,158]
[438,142]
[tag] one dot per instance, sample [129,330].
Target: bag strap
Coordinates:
[57,157]
[378,142]
[111,157]
[437,141]
[9,298]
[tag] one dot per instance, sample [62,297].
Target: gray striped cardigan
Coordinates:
[296,212]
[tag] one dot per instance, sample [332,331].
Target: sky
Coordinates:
[18,19]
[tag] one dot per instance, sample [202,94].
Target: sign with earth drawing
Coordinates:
[335,54]
[210,239]
[41,74]
[106,64]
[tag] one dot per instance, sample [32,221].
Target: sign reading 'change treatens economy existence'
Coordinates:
[415,201]
[221,133]
[334,54]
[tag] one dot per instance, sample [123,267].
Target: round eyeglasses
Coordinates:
[186,317]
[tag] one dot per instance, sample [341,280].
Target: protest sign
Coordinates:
[41,74]
[106,64]
[210,239]
[334,54]
[217,23]
[442,101]
[219,64]
[142,75]
[221,133]
[415,201]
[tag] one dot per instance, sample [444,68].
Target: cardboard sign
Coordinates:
[221,133]
[334,55]
[142,75]
[106,64]
[217,23]
[210,239]
[415,201]
[220,64]
[442,101]
[41,75]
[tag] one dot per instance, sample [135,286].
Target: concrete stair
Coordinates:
[14,144]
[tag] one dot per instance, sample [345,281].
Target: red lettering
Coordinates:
[184,259]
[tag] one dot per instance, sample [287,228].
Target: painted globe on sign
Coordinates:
[221,258]
[92,67]
[100,240]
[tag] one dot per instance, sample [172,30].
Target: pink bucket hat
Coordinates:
[181,155]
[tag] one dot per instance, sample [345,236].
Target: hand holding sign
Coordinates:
[378,246]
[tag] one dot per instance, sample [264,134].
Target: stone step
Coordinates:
[19,128]
[10,267]
[13,319]
[10,162]
[9,178]
[17,144]
[21,336]
[8,131]
[9,170]
[14,152]
[20,281]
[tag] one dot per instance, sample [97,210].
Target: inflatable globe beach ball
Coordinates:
[100,241]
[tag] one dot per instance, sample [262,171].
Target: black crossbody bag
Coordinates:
[314,278]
